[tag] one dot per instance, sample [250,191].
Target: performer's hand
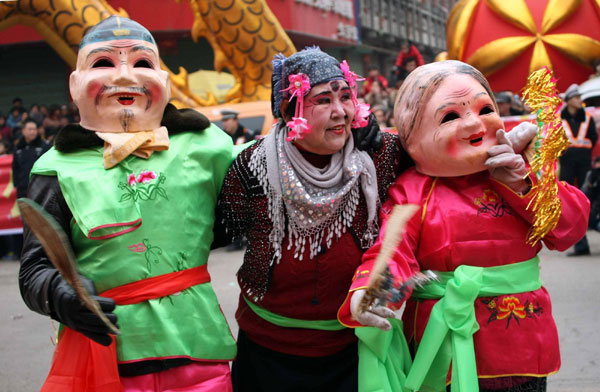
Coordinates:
[67,308]
[374,317]
[369,137]
[507,166]
[521,135]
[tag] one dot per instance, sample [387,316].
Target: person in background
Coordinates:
[5,132]
[591,188]
[17,102]
[373,75]
[507,104]
[409,65]
[42,133]
[232,126]
[576,161]
[4,148]
[29,148]
[52,122]
[596,69]
[44,110]
[72,113]
[378,96]
[380,115]
[14,118]
[64,111]
[504,102]
[35,114]
[408,50]
[10,245]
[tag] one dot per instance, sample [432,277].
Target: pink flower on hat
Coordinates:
[361,115]
[350,76]
[299,85]
[299,128]
[361,110]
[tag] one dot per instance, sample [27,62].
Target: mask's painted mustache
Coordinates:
[124,90]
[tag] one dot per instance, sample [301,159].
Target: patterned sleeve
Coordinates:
[390,161]
[234,201]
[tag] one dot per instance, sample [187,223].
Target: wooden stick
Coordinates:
[393,235]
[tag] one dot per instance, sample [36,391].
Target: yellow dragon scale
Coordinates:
[245,35]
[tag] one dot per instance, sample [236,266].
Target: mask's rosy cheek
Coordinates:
[156,92]
[93,89]
[452,148]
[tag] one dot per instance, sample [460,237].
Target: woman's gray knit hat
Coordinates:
[313,62]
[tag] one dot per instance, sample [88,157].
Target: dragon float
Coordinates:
[244,35]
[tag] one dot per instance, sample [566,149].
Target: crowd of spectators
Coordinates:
[27,134]
[48,119]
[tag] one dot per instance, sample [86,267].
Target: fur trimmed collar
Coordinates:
[73,136]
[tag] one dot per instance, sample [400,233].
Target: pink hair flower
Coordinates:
[131,179]
[299,128]
[299,85]
[361,115]
[350,76]
[146,176]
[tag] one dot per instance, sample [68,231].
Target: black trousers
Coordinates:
[258,369]
[574,173]
[533,385]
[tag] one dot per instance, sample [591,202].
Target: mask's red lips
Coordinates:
[125,98]
[475,139]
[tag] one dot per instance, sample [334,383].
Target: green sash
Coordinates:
[383,358]
[449,333]
[288,322]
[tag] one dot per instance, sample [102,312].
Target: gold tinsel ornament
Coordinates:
[541,96]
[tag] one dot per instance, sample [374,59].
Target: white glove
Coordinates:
[374,317]
[521,135]
[507,166]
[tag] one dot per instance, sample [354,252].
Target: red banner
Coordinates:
[10,219]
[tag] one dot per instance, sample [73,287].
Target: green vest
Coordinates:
[149,217]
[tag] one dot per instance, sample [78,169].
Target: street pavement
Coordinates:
[574,284]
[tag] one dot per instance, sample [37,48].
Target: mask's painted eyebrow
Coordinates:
[443,107]
[99,50]
[142,47]
[480,94]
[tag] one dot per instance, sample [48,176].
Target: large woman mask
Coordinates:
[118,85]
[447,119]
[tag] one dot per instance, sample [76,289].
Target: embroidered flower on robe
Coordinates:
[511,306]
[146,176]
[138,248]
[131,179]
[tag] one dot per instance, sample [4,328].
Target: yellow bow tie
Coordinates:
[118,146]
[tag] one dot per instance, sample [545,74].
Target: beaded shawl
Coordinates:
[318,203]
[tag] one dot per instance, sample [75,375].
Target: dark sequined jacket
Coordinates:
[312,289]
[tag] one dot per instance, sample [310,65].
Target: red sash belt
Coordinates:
[80,364]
